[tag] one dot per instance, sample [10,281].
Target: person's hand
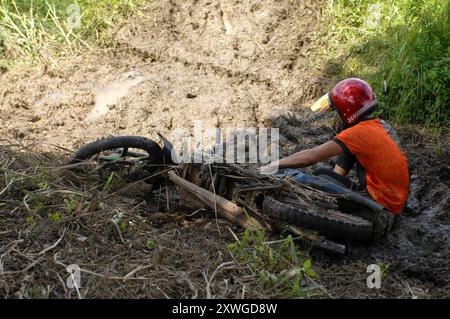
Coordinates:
[269,169]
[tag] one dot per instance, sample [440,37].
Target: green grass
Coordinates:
[41,29]
[405,57]
[279,266]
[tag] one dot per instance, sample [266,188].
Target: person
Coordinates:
[366,143]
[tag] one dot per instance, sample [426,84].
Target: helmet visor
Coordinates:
[321,105]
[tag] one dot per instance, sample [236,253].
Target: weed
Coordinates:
[123,226]
[71,203]
[55,217]
[150,244]
[43,185]
[279,264]
[108,183]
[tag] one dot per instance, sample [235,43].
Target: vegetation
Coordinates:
[280,267]
[402,48]
[39,29]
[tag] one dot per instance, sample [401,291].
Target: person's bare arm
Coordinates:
[339,170]
[307,157]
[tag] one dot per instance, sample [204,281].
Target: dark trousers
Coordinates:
[347,161]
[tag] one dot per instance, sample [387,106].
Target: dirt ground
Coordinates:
[229,64]
[175,63]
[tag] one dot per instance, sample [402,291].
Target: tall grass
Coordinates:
[404,54]
[36,29]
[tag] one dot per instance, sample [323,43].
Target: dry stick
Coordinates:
[103,276]
[208,281]
[26,204]
[57,146]
[192,287]
[52,246]
[215,197]
[10,247]
[234,235]
[42,252]
[7,186]
[119,232]
[70,166]
[34,263]
[196,212]
[62,191]
[167,196]
[131,273]
[11,162]
[225,208]
[253,211]
[167,232]
[159,198]
[324,290]
[61,281]
[6,170]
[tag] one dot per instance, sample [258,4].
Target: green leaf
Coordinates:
[307,264]
[108,183]
[150,244]
[310,273]
[293,251]
[55,217]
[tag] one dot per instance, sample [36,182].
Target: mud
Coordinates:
[226,63]
[233,64]
[111,94]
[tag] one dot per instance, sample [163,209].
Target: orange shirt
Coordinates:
[386,167]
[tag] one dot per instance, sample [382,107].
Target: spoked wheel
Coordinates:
[327,222]
[121,152]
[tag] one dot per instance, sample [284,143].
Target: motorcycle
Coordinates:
[324,214]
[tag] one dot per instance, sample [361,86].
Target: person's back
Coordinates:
[384,164]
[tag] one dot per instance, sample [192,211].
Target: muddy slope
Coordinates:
[231,64]
[227,63]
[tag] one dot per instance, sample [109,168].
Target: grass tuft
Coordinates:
[39,29]
[279,266]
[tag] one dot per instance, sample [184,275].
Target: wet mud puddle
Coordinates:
[111,94]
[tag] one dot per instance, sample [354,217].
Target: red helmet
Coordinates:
[352,98]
